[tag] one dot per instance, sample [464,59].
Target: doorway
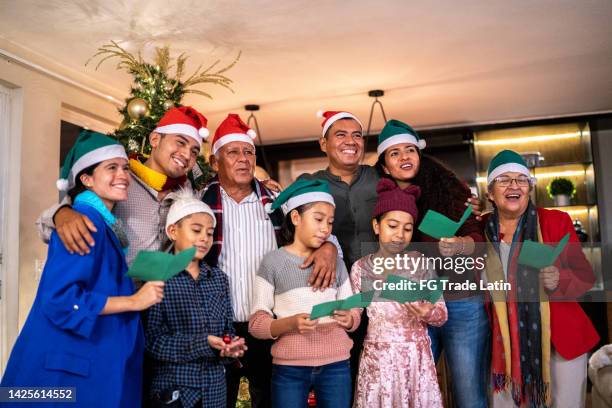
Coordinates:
[10,162]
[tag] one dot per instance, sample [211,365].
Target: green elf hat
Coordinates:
[396,132]
[505,161]
[90,148]
[303,192]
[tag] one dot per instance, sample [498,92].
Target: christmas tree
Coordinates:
[153,92]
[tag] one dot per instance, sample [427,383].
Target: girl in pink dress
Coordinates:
[396,368]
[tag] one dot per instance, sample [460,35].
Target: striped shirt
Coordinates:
[248,235]
[281,290]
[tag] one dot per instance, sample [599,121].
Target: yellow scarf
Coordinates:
[150,177]
[495,272]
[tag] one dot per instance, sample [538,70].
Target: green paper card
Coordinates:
[159,266]
[358,300]
[439,226]
[411,295]
[327,309]
[538,255]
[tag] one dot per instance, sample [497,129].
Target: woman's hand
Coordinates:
[451,246]
[549,277]
[234,349]
[148,295]
[477,206]
[420,309]
[344,318]
[303,324]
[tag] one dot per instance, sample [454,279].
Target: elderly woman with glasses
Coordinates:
[540,333]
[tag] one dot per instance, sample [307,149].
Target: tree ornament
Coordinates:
[137,108]
[132,145]
[168,103]
[168,87]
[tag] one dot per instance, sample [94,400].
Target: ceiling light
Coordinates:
[375,93]
[527,139]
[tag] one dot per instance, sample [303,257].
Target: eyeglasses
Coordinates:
[505,181]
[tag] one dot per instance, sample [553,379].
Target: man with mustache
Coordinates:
[246,230]
[352,184]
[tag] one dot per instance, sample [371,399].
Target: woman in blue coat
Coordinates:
[84,330]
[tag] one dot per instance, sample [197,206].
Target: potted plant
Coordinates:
[561,190]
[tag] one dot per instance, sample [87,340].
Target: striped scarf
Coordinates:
[521,328]
[211,195]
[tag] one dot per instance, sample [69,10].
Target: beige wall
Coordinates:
[43,101]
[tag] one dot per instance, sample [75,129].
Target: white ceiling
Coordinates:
[440,62]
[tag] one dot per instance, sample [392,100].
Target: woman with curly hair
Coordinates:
[465,336]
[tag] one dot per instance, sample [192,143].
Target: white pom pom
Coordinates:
[203,132]
[422,144]
[62,184]
[320,114]
[268,208]
[251,133]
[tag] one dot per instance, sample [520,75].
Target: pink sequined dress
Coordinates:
[396,368]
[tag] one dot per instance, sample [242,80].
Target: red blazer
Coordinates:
[572,333]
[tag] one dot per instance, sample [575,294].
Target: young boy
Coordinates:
[190,333]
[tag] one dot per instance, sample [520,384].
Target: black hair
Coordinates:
[78,184]
[440,187]
[287,232]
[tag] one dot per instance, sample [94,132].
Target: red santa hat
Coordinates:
[184,120]
[232,129]
[332,116]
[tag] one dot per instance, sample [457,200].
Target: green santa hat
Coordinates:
[505,161]
[396,132]
[90,148]
[304,192]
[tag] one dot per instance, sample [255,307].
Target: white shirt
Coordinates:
[248,234]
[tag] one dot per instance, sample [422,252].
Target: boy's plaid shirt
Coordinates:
[176,333]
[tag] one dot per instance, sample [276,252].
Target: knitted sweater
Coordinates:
[281,290]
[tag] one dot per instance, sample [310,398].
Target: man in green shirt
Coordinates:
[353,185]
